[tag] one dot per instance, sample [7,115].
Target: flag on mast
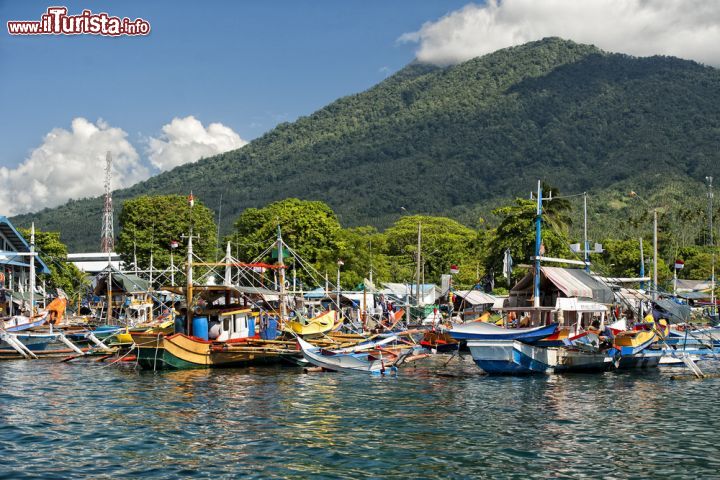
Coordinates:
[191,199]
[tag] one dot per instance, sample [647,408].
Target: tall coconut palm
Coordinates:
[556,212]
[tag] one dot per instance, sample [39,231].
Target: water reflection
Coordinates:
[271,422]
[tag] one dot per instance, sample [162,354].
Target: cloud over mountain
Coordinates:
[69,164]
[186,140]
[687,29]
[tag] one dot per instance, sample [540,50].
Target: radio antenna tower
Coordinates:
[107,239]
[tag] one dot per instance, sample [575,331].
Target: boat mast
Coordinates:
[418,258]
[281,259]
[32,269]
[151,269]
[189,275]
[172,268]
[228,267]
[538,243]
[585,242]
[655,253]
[712,287]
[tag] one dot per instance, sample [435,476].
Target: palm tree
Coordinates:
[556,212]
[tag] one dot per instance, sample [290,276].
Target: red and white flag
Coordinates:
[191,200]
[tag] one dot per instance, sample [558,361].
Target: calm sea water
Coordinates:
[84,420]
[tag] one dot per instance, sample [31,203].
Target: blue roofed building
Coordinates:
[15,270]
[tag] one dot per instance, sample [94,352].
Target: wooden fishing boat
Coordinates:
[320,324]
[18,323]
[563,359]
[634,341]
[377,361]
[440,342]
[124,336]
[228,340]
[514,357]
[634,349]
[489,331]
[180,351]
[495,357]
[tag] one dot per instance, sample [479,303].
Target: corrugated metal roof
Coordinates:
[475,297]
[578,283]
[11,233]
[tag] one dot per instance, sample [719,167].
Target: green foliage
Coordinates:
[151,222]
[362,249]
[63,275]
[445,242]
[517,233]
[698,262]
[465,139]
[310,228]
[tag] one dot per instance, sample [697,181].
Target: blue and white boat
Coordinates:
[18,323]
[374,361]
[490,331]
[495,357]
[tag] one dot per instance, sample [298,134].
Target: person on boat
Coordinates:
[602,331]
[594,327]
[525,321]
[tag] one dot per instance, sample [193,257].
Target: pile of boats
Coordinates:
[230,330]
[236,324]
[553,349]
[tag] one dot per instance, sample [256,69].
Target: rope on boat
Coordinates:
[157,347]
[120,358]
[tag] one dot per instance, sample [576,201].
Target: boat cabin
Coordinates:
[571,297]
[231,325]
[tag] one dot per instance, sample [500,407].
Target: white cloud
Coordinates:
[683,28]
[69,164]
[185,140]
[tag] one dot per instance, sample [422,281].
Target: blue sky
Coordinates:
[213,75]
[247,65]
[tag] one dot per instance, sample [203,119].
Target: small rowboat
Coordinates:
[375,361]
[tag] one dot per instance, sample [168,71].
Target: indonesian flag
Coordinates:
[679,264]
[174,244]
[191,200]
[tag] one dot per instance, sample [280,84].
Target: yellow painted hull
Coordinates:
[321,324]
[125,337]
[180,352]
[633,338]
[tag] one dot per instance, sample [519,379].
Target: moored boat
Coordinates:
[320,324]
[489,331]
[373,361]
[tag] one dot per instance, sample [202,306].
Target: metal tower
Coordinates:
[107,238]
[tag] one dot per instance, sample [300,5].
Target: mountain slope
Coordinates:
[446,140]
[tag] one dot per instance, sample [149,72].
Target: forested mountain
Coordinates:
[457,140]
